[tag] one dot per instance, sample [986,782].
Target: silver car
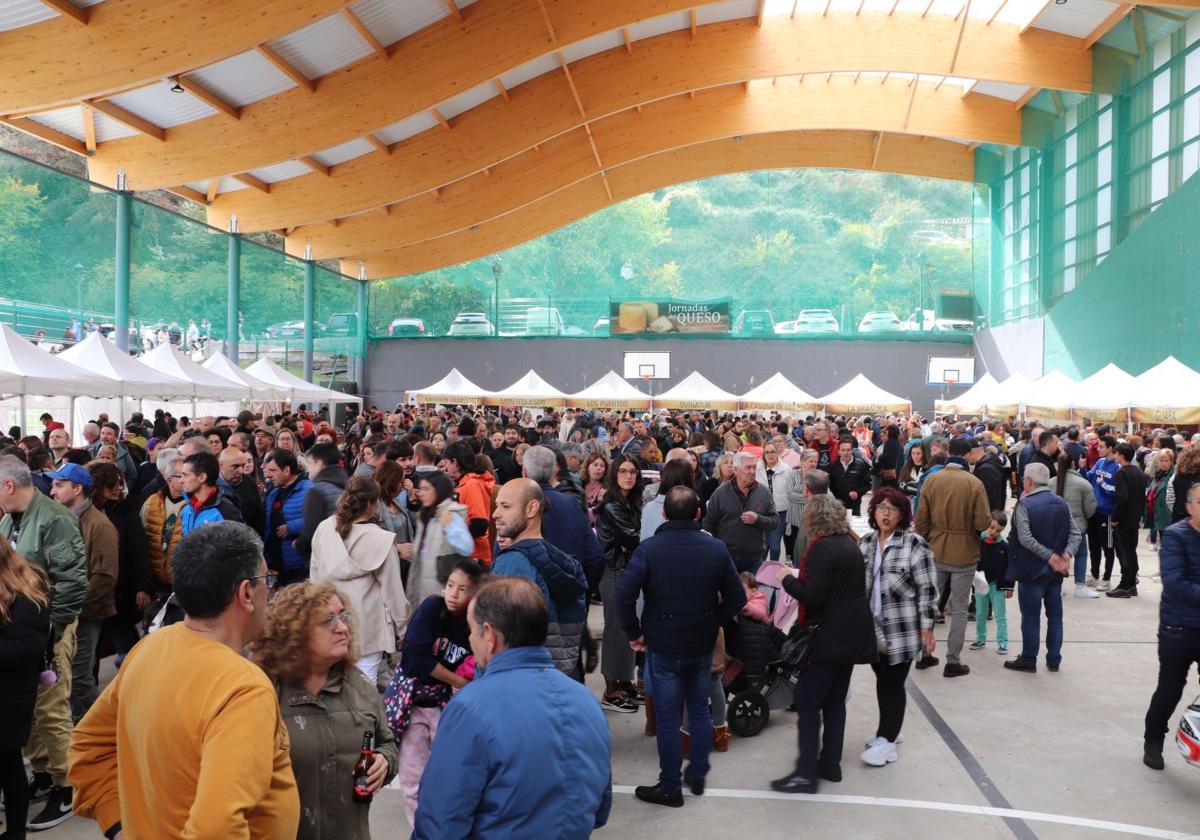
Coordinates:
[816,321]
[471,324]
[880,321]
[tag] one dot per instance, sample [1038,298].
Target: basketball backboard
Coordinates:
[640,365]
[950,370]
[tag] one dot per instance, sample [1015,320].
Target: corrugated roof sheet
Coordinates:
[344,152]
[392,20]
[405,128]
[280,171]
[660,25]
[17,13]
[1078,17]
[728,10]
[322,47]
[1001,90]
[467,100]
[161,106]
[243,79]
[530,69]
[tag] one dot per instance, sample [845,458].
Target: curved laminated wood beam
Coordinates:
[839,104]
[128,43]
[657,68]
[839,149]
[427,68]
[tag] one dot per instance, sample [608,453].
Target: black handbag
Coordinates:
[797,647]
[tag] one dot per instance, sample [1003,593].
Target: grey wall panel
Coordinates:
[1011,348]
[396,365]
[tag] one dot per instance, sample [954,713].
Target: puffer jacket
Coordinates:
[164,528]
[619,528]
[475,491]
[429,543]
[325,731]
[216,508]
[1179,559]
[564,586]
[293,517]
[366,568]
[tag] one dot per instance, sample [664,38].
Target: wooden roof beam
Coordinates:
[692,19]
[958,41]
[128,119]
[89,130]
[442,121]
[286,68]
[762,12]
[453,9]
[1026,97]
[547,22]
[252,181]
[68,10]
[366,34]
[45,132]
[162,34]
[213,184]
[379,145]
[316,165]
[207,96]
[628,40]
[845,149]
[878,146]
[187,192]
[1025,27]
[501,90]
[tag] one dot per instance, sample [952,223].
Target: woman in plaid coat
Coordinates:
[902,590]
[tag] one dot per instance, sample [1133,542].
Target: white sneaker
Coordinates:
[1091,581]
[1103,586]
[879,740]
[880,754]
[1082,591]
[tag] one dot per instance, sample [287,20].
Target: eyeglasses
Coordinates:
[886,508]
[627,472]
[269,577]
[330,622]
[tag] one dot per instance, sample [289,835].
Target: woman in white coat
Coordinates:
[360,558]
[779,478]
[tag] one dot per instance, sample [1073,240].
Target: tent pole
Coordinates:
[71,422]
[21,419]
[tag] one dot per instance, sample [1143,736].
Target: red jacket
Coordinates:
[475,491]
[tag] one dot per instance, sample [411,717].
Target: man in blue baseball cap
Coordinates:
[72,487]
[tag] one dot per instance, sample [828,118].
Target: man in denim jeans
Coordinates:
[691,588]
[1041,552]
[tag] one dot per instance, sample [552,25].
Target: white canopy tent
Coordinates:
[451,389]
[1168,393]
[695,392]
[1104,396]
[530,390]
[220,365]
[165,358]
[1050,397]
[298,390]
[974,400]
[27,369]
[1009,396]
[862,396]
[778,393]
[98,355]
[609,391]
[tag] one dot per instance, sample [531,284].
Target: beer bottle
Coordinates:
[362,767]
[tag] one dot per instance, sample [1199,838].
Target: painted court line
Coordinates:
[953,807]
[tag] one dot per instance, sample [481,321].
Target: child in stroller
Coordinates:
[755,680]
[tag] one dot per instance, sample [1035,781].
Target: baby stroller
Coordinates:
[755,680]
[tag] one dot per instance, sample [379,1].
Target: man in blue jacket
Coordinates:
[564,522]
[1178,624]
[283,519]
[1100,531]
[522,750]
[691,588]
[1040,553]
[205,503]
[520,506]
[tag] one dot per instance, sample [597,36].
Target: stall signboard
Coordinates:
[669,317]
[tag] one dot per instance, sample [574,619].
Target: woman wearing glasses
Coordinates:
[349,549]
[619,528]
[308,651]
[902,588]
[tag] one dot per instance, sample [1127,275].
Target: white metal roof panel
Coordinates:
[109,129]
[392,20]
[224,184]
[15,14]
[528,70]
[595,44]
[1001,90]
[322,47]
[727,10]
[1078,18]
[280,171]
[243,79]
[69,121]
[344,152]
[1010,11]
[158,104]
[407,127]
[659,25]
[467,100]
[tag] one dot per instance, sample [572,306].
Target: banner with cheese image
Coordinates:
[669,317]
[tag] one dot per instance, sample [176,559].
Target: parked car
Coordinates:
[786,328]
[471,324]
[880,321]
[342,323]
[407,328]
[816,321]
[935,324]
[291,329]
[754,322]
[931,236]
[544,320]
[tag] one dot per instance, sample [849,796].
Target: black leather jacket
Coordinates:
[619,528]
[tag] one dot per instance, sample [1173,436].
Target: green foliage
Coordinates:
[779,239]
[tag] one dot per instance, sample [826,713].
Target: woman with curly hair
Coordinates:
[831,587]
[351,550]
[308,651]
[902,588]
[1187,473]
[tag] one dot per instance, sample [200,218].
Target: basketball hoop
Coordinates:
[951,377]
[647,376]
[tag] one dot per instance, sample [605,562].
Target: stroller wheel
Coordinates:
[748,714]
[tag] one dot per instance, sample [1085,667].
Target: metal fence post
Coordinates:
[233,293]
[121,292]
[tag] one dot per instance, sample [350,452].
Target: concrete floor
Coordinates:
[1062,750]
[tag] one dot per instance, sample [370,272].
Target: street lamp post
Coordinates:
[496,269]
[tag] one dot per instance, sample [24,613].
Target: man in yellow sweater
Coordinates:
[188,741]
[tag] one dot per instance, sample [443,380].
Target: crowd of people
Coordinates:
[307,611]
